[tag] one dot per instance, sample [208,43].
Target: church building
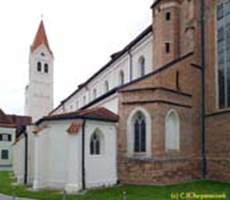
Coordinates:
[156,113]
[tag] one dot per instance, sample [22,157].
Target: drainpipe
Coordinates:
[23,131]
[130,66]
[26,158]
[203,109]
[83,155]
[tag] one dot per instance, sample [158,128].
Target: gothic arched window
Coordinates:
[95,144]
[172,126]
[139,133]
[39,66]
[141,70]
[121,77]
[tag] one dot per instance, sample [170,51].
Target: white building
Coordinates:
[58,156]
[76,150]
[8,126]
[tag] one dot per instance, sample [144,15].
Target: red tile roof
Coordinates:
[41,38]
[19,120]
[13,121]
[74,127]
[4,119]
[98,113]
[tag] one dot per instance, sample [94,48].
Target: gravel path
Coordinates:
[4,197]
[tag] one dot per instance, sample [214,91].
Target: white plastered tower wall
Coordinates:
[39,91]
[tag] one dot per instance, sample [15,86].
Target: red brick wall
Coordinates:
[217,122]
[151,94]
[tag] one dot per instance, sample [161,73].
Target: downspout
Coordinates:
[130,66]
[83,155]
[23,131]
[203,109]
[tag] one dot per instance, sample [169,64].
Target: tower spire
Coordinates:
[41,38]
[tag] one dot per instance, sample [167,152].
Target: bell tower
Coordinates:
[166,31]
[39,91]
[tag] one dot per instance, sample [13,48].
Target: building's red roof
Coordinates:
[98,113]
[41,38]
[19,120]
[74,127]
[4,119]
[13,121]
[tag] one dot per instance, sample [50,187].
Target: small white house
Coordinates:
[8,126]
[75,151]
[7,137]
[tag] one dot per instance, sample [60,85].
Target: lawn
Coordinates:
[115,193]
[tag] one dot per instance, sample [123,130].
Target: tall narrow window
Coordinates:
[139,133]
[177,80]
[84,100]
[94,93]
[46,68]
[168,16]
[77,105]
[106,86]
[223,52]
[95,144]
[167,47]
[141,66]
[121,77]
[39,66]
[172,126]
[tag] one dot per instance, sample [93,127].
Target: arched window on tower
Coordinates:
[106,86]
[172,126]
[96,143]
[39,66]
[121,77]
[141,66]
[46,68]
[139,133]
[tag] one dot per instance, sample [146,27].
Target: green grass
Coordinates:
[115,193]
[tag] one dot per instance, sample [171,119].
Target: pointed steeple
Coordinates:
[41,38]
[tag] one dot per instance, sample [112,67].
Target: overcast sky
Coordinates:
[82,34]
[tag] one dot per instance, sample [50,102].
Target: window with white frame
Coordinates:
[121,77]
[46,68]
[141,67]
[223,52]
[84,100]
[172,131]
[94,93]
[5,154]
[39,66]
[5,137]
[106,86]
[77,104]
[139,133]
